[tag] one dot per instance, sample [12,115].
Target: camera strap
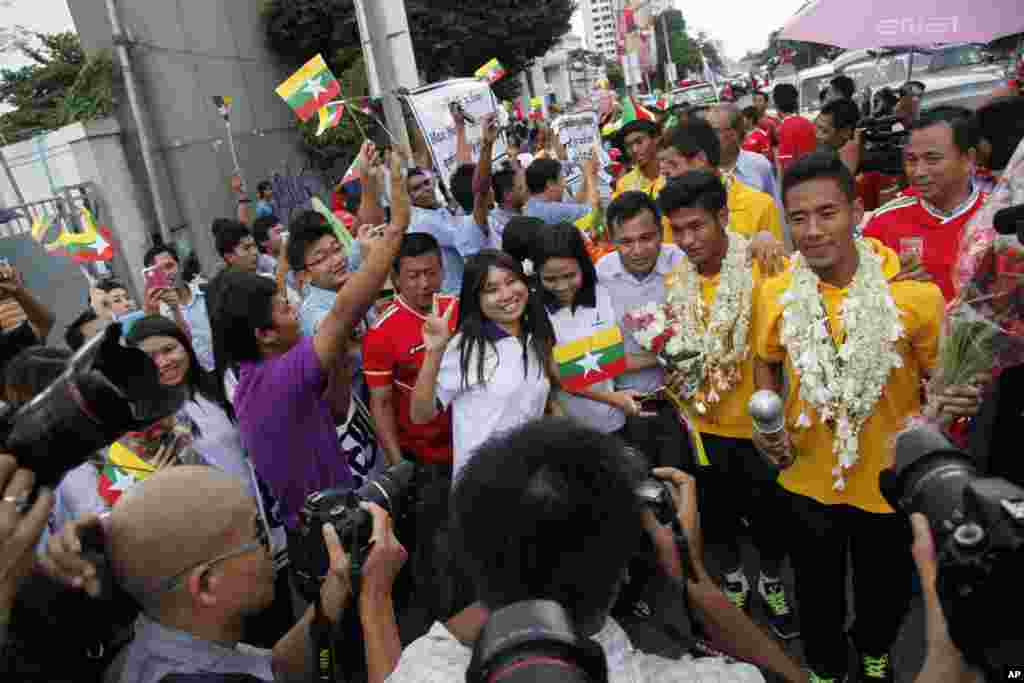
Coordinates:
[323,643]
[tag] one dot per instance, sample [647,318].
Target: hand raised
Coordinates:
[436,329]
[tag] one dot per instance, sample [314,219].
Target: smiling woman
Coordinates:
[495,371]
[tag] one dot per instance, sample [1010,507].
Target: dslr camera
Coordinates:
[106,391]
[978,528]
[391,490]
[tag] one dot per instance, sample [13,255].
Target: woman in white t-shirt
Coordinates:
[494,371]
[579,308]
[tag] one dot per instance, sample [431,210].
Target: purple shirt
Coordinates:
[287,427]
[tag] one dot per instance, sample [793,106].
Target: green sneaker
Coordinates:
[780,616]
[815,678]
[738,592]
[876,669]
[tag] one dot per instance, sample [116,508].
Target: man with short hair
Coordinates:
[765,121]
[267,231]
[114,300]
[197,583]
[757,140]
[696,146]
[847,396]
[836,124]
[236,245]
[634,275]
[841,87]
[545,180]
[185,300]
[928,224]
[716,262]
[796,134]
[640,140]
[752,169]
[549,512]
[393,353]
[287,424]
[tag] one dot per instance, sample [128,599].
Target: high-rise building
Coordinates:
[600,20]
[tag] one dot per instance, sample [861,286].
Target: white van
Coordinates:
[812,82]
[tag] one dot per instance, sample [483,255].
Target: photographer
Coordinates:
[17,305]
[198,582]
[549,511]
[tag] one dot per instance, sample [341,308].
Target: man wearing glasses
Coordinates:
[197,583]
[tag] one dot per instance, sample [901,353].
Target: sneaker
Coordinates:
[815,678]
[876,669]
[780,617]
[737,589]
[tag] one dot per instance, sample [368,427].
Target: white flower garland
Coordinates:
[723,340]
[842,385]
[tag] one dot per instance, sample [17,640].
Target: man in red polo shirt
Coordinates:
[926,224]
[797,135]
[393,352]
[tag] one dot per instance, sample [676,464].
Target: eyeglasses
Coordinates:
[261,541]
[323,255]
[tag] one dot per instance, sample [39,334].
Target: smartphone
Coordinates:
[128,320]
[155,278]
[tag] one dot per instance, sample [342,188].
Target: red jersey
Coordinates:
[393,353]
[797,138]
[907,223]
[759,142]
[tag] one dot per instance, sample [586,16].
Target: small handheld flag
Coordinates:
[585,362]
[492,71]
[310,88]
[40,225]
[223,104]
[330,116]
[91,245]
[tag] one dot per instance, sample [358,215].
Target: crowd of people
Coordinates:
[447,338]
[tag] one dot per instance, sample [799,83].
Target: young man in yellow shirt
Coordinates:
[695,146]
[711,295]
[853,346]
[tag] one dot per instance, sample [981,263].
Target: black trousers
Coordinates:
[879,552]
[739,484]
[660,438]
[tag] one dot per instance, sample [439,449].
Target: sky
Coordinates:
[44,16]
[741,24]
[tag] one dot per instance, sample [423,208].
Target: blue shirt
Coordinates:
[756,171]
[158,650]
[197,317]
[316,304]
[458,237]
[555,212]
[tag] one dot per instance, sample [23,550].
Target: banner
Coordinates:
[430,106]
[577,133]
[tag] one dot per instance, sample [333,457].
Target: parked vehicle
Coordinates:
[812,82]
[695,95]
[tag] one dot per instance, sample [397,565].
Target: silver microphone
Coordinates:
[766,411]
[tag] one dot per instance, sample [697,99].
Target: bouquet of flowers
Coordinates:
[657,329]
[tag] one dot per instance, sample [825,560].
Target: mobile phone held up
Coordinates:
[156,278]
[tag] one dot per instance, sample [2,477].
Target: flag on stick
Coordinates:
[340,231]
[310,88]
[223,104]
[585,362]
[40,225]
[330,116]
[91,245]
[492,72]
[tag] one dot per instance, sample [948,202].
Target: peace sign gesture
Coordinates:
[436,330]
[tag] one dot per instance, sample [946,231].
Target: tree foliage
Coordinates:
[59,86]
[450,39]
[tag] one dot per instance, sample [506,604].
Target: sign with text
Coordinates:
[577,133]
[431,107]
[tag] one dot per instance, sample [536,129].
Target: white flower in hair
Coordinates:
[528,266]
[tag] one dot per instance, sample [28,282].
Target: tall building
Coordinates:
[600,20]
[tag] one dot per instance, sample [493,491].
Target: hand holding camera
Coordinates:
[64,559]
[20,526]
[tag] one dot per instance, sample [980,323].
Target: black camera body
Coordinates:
[341,509]
[883,145]
[978,528]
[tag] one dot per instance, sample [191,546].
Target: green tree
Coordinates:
[59,86]
[681,47]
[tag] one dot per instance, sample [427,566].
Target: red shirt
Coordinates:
[796,139]
[908,218]
[760,142]
[393,353]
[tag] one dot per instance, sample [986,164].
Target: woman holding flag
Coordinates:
[589,351]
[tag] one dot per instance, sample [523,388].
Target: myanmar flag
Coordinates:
[121,471]
[310,88]
[590,360]
[330,116]
[91,245]
[492,71]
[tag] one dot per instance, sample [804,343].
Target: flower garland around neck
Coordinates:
[842,383]
[721,335]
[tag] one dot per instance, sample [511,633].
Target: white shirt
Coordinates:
[510,396]
[584,322]
[438,657]
[629,293]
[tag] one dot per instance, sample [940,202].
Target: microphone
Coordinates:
[766,411]
[1010,221]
